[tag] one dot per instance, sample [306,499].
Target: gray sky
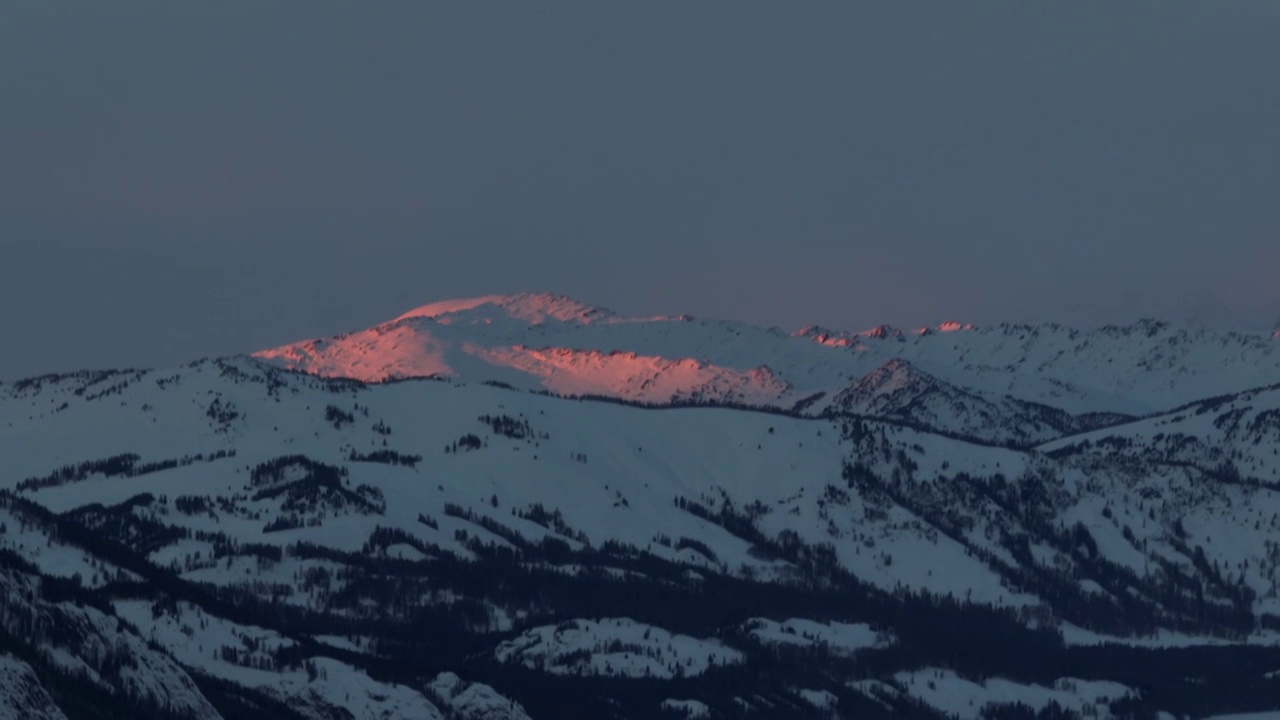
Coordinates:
[179,180]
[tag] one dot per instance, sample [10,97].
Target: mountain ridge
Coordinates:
[549,342]
[596,516]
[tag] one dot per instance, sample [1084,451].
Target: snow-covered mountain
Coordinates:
[540,341]
[898,390]
[527,507]
[552,343]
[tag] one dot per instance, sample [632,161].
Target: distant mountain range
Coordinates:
[529,507]
[554,344]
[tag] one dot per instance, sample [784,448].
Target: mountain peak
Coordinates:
[881,332]
[894,374]
[946,327]
[824,336]
[534,308]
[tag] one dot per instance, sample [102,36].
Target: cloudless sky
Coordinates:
[180,180]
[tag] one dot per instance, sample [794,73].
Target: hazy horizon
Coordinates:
[180,182]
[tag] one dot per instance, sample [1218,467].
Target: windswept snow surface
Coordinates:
[842,638]
[615,647]
[820,699]
[948,692]
[474,701]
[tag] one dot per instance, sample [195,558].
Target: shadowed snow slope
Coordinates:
[21,695]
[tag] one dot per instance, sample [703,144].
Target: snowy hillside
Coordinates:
[584,515]
[898,390]
[21,696]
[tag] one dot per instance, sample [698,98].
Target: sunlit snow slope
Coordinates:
[1006,384]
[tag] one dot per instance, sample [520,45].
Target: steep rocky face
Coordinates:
[22,697]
